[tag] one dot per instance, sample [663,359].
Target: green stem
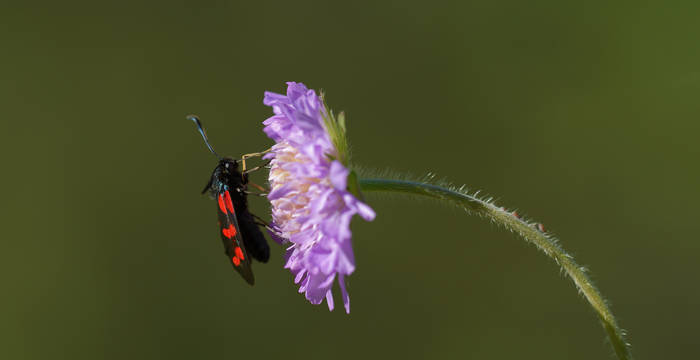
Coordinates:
[529,231]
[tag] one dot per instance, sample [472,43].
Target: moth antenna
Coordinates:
[204,135]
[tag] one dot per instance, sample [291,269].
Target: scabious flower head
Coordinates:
[311,204]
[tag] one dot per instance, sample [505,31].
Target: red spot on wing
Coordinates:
[222,207]
[229,203]
[236,260]
[239,252]
[230,231]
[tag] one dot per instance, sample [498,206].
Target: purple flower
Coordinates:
[311,206]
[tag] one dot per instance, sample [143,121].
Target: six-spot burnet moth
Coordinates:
[239,229]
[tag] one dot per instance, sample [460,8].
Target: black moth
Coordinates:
[239,229]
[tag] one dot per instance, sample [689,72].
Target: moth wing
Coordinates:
[230,233]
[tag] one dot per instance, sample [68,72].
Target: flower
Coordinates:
[311,204]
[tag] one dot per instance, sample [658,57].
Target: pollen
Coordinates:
[236,260]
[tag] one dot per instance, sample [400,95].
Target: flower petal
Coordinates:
[339,175]
[344,291]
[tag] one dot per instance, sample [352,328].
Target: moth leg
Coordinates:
[246,156]
[255,168]
[255,194]
[260,221]
[257,186]
[268,228]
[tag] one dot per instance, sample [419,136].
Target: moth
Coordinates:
[239,229]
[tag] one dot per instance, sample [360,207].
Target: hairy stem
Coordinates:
[531,232]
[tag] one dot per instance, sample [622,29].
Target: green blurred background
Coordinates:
[582,116]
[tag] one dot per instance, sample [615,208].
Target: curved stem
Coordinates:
[531,232]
